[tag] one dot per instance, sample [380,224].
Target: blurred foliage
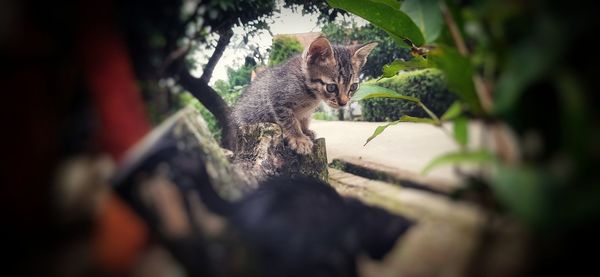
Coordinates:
[228,93]
[426,15]
[527,55]
[325,12]
[229,90]
[323,116]
[241,76]
[284,47]
[155,29]
[426,85]
[348,32]
[222,15]
[222,87]
[187,99]
[396,23]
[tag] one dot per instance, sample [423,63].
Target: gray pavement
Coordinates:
[405,146]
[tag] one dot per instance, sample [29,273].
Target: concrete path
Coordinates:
[405,146]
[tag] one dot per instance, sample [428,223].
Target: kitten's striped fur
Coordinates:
[288,94]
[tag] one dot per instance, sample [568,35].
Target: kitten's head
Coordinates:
[333,71]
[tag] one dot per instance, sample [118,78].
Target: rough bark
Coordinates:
[162,177]
[261,152]
[186,134]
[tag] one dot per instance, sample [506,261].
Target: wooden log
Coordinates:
[186,133]
[451,238]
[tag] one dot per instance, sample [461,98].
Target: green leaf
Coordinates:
[524,191]
[418,62]
[379,130]
[576,123]
[473,157]
[404,118]
[393,21]
[367,91]
[461,130]
[427,15]
[454,111]
[392,3]
[458,72]
[525,63]
[518,74]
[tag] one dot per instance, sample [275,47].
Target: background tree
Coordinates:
[222,87]
[229,91]
[241,76]
[348,32]
[325,12]
[161,34]
[284,47]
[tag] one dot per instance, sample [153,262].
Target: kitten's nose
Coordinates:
[342,102]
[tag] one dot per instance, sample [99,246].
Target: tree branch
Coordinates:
[224,39]
[199,88]
[211,100]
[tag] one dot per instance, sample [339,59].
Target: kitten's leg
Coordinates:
[304,126]
[292,131]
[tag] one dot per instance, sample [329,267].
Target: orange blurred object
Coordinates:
[119,236]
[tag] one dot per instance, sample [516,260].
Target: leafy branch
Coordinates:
[424,26]
[368,91]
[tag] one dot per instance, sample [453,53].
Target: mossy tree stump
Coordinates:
[263,152]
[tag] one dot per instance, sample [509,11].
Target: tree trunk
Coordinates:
[224,38]
[211,100]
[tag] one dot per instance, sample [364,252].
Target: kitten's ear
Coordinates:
[319,51]
[361,52]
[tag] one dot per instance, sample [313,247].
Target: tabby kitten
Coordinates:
[289,94]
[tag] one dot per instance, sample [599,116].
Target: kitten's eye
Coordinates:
[354,87]
[331,88]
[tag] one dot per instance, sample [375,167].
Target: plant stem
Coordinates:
[483,92]
[507,146]
[430,113]
[438,123]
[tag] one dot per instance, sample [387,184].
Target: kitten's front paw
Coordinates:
[310,134]
[302,145]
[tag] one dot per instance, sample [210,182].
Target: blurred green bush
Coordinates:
[427,85]
[320,115]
